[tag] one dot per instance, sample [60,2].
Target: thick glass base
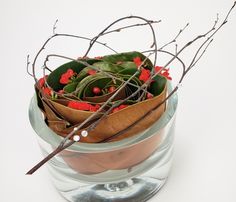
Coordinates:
[135,190]
[136,184]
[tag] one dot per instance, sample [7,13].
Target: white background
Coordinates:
[204,167]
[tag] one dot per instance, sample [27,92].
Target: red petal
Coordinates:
[157,69]
[137,61]
[42,81]
[145,75]
[122,106]
[70,73]
[47,91]
[83,106]
[64,79]
[94,108]
[116,109]
[164,72]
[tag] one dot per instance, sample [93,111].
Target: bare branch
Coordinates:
[54,27]
[174,40]
[203,52]
[131,26]
[27,66]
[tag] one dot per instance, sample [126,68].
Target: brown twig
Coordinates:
[174,40]
[27,66]
[50,156]
[54,27]
[131,26]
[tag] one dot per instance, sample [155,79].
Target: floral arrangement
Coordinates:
[103,85]
[121,94]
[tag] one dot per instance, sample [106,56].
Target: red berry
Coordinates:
[96,90]
[149,96]
[112,89]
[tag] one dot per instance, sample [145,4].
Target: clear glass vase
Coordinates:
[133,169]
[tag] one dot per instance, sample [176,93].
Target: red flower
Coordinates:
[47,91]
[91,72]
[83,106]
[137,61]
[164,72]
[70,72]
[116,109]
[145,75]
[42,81]
[65,78]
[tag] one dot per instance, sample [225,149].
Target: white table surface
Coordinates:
[204,167]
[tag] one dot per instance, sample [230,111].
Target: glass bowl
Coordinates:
[133,169]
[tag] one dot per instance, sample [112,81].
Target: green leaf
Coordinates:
[128,56]
[129,71]
[108,67]
[71,87]
[158,85]
[128,64]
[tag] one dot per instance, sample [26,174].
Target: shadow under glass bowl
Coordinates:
[133,169]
